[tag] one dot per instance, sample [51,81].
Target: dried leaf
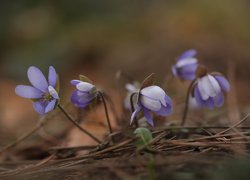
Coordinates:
[217,74]
[201,71]
[149,81]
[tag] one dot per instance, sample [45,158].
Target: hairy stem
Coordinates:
[78,125]
[184,117]
[112,106]
[133,108]
[106,112]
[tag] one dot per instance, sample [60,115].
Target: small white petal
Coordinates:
[154,105]
[84,86]
[156,93]
[53,92]
[137,110]
[127,103]
[185,62]
[131,87]
[208,87]
[215,84]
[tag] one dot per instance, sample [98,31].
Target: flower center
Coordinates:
[47,97]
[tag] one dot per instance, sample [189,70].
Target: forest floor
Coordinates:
[173,153]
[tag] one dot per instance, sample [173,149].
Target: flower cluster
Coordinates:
[207,88]
[146,99]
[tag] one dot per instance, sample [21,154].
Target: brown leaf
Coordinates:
[149,81]
[201,71]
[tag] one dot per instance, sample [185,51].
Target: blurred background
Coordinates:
[98,38]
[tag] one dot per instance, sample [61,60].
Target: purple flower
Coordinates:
[42,92]
[186,65]
[208,89]
[152,99]
[84,94]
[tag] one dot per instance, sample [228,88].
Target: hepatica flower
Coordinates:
[208,89]
[152,99]
[43,93]
[186,65]
[85,92]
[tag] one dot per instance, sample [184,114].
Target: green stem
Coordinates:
[78,125]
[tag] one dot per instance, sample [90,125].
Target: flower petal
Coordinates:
[127,103]
[85,97]
[37,79]
[50,106]
[39,107]
[75,99]
[208,87]
[137,110]
[165,111]
[52,76]
[192,103]
[224,84]
[75,82]
[174,71]
[28,92]
[84,86]
[131,87]
[215,84]
[188,72]
[209,103]
[53,92]
[155,93]
[198,98]
[218,100]
[148,117]
[150,104]
[80,99]
[186,62]
[187,54]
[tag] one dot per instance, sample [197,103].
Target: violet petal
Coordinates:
[28,92]
[52,76]
[37,78]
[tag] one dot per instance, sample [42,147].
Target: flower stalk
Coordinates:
[106,113]
[133,108]
[185,112]
[78,125]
